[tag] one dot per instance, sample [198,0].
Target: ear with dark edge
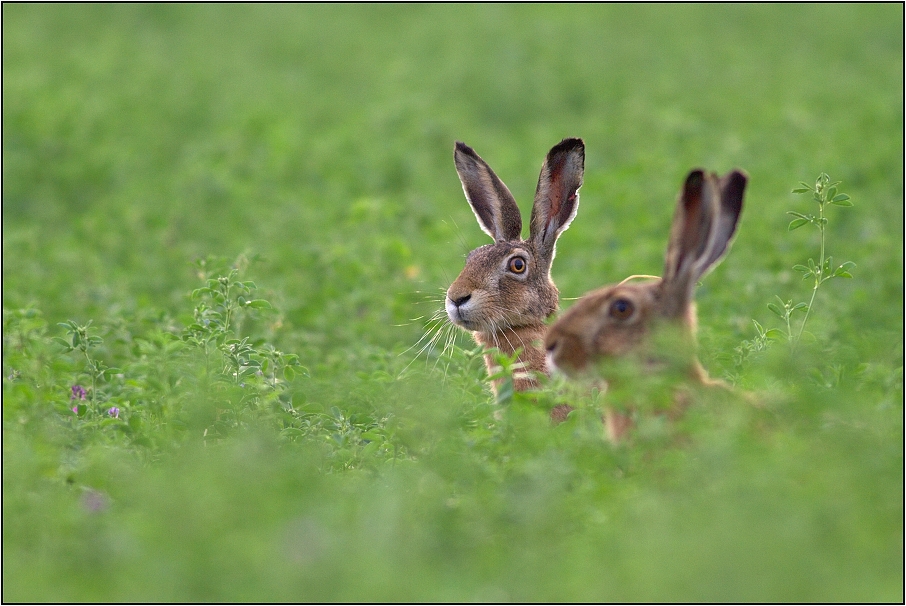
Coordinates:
[491,201]
[705,220]
[686,228]
[732,187]
[689,235]
[557,196]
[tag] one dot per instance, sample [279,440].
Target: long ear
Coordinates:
[557,196]
[491,201]
[732,187]
[705,220]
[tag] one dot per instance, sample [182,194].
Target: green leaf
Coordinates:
[802,190]
[831,192]
[63,342]
[800,215]
[799,306]
[775,334]
[776,309]
[796,224]
[289,374]
[373,436]
[841,200]
[843,270]
[258,304]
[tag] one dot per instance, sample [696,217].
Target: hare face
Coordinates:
[608,322]
[502,286]
[655,321]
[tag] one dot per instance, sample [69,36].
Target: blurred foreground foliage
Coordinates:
[178,428]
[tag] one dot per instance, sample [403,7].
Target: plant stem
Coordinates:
[93,369]
[789,327]
[818,274]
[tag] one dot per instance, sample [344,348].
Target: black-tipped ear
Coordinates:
[557,196]
[491,201]
[705,220]
[691,225]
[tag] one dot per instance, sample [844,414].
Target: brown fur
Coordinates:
[598,325]
[503,308]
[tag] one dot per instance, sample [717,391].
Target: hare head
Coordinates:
[505,292]
[618,320]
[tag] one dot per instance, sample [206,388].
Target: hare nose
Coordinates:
[552,345]
[461,300]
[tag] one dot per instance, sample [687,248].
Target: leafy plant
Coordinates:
[824,193]
[241,374]
[80,340]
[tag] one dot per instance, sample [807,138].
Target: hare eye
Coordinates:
[621,309]
[517,265]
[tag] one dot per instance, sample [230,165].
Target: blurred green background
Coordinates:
[139,138]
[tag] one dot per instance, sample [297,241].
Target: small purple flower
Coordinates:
[78,393]
[114,412]
[95,501]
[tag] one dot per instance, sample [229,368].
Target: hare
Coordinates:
[505,292]
[619,321]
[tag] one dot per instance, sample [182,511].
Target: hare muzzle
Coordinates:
[565,352]
[459,309]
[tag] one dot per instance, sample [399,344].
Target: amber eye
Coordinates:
[517,265]
[621,309]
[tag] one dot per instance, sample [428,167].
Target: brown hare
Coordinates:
[623,320]
[505,292]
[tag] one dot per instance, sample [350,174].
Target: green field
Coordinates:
[150,148]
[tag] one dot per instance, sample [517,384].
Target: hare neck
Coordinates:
[508,341]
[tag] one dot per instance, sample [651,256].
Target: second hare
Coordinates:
[620,320]
[505,292]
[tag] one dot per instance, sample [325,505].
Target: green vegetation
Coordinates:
[225,226]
